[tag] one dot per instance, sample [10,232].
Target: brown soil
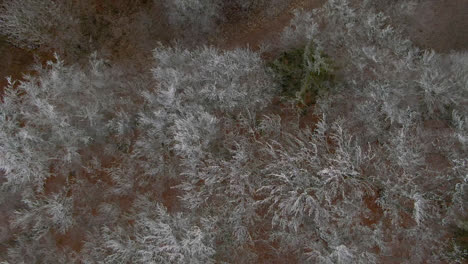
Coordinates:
[15,61]
[260,28]
[440,24]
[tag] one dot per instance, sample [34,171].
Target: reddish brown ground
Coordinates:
[15,61]
[440,24]
[261,27]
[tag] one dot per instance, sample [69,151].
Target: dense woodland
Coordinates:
[136,137]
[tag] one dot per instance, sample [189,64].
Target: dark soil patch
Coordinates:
[259,29]
[440,24]
[15,61]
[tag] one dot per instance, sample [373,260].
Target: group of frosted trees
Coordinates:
[196,164]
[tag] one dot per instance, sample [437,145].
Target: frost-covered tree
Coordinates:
[388,93]
[224,186]
[31,23]
[199,96]
[152,236]
[35,228]
[43,214]
[47,119]
[369,51]
[314,187]
[31,250]
[196,91]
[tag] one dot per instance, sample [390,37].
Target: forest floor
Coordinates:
[441,25]
[14,62]
[260,28]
